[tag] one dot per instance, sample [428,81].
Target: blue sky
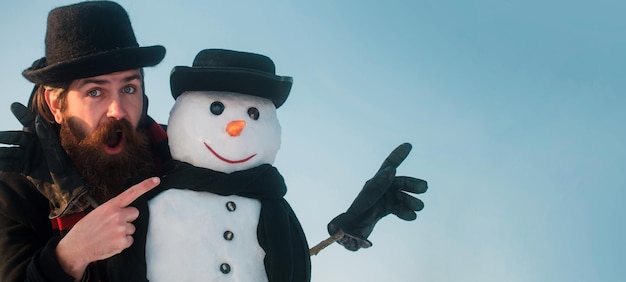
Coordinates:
[513,109]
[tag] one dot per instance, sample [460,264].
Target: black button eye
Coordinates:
[253,113]
[217,108]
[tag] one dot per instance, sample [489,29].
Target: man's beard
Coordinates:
[108,174]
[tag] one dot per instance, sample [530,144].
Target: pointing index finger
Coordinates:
[131,194]
[397,156]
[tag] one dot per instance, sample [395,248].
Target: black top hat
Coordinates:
[232,71]
[90,39]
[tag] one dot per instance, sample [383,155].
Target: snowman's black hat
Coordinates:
[232,71]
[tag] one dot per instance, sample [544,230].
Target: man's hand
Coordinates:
[102,233]
[36,152]
[385,193]
[23,152]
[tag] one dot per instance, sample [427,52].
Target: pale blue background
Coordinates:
[515,110]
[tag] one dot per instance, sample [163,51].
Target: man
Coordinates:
[55,226]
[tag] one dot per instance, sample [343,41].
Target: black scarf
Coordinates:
[279,231]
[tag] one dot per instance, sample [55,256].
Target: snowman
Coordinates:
[219,213]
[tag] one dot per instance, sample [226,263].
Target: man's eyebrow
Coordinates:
[86,81]
[132,77]
[129,78]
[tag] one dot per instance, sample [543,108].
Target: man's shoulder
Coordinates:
[14,182]
[18,193]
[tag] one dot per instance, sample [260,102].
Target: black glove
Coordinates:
[380,196]
[24,152]
[37,153]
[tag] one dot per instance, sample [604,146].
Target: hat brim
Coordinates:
[273,87]
[96,64]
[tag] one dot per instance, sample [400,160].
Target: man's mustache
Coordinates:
[108,133]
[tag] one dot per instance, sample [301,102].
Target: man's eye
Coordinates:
[94,93]
[129,89]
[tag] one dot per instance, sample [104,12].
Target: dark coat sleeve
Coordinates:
[27,242]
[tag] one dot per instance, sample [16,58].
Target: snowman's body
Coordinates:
[201,236]
[218,231]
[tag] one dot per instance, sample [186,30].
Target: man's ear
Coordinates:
[52,99]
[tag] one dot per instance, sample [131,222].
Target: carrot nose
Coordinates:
[235,127]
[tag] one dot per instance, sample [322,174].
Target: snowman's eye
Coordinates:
[253,113]
[217,108]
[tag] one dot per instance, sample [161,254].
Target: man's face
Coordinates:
[93,101]
[99,119]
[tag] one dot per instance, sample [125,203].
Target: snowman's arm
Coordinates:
[322,245]
[383,194]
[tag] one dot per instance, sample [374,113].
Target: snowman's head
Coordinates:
[224,117]
[223,131]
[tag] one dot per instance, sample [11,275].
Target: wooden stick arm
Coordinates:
[317,248]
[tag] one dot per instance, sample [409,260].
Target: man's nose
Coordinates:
[116,109]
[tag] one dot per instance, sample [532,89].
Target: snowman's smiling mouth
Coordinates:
[227,160]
